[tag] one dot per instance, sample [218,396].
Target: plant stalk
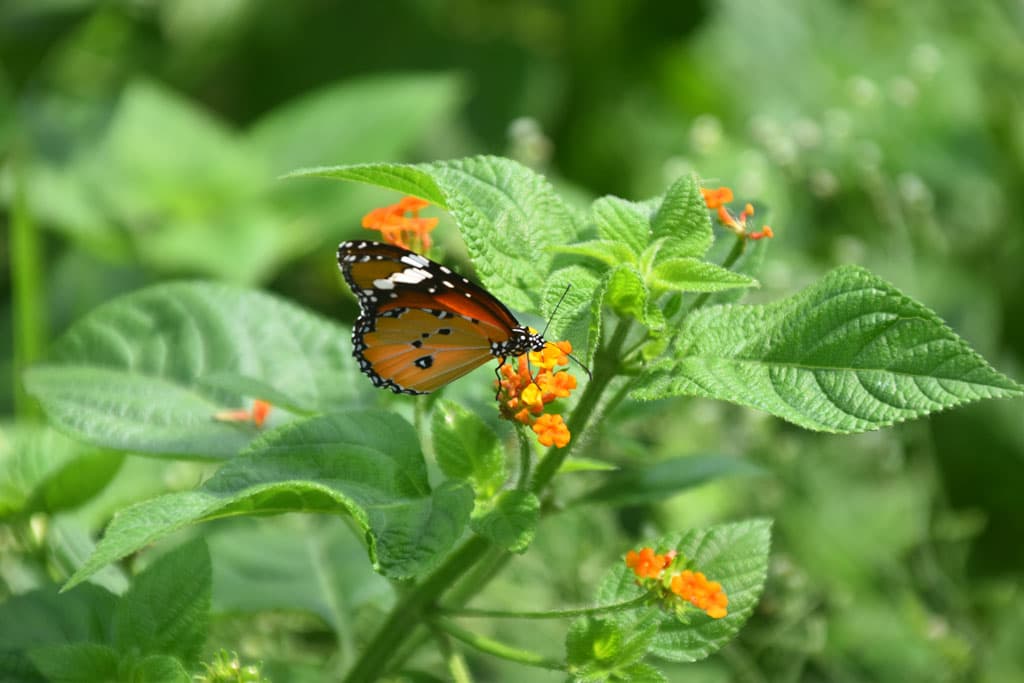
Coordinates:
[412,608]
[498,649]
[27,295]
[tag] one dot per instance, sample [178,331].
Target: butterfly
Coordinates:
[421,325]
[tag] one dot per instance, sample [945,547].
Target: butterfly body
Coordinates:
[421,325]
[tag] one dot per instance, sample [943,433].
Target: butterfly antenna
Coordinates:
[572,357]
[560,300]
[585,368]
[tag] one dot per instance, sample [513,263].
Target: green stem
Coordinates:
[497,649]
[408,612]
[605,369]
[456,664]
[551,614]
[413,607]
[26,283]
[525,457]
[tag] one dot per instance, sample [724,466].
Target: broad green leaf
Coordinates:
[42,618]
[508,215]
[694,275]
[76,662]
[167,609]
[141,174]
[295,562]
[510,521]
[169,202]
[131,374]
[734,554]
[641,672]
[159,669]
[608,252]
[69,543]
[242,243]
[240,385]
[643,485]
[627,295]
[623,221]
[682,219]
[415,180]
[597,648]
[578,318]
[848,354]
[366,463]
[467,448]
[42,470]
[359,120]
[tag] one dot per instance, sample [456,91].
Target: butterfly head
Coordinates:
[520,340]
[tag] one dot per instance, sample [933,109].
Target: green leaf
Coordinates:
[734,554]
[578,318]
[694,275]
[642,485]
[292,562]
[511,521]
[609,252]
[159,669]
[70,542]
[43,471]
[42,618]
[683,220]
[366,463]
[141,176]
[627,295]
[597,649]
[364,119]
[167,609]
[641,672]
[405,178]
[131,374]
[467,448]
[76,662]
[508,215]
[848,354]
[622,221]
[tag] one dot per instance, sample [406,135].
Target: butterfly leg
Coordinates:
[497,375]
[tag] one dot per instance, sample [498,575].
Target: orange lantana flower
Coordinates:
[695,588]
[522,395]
[406,231]
[646,564]
[717,198]
[676,591]
[552,431]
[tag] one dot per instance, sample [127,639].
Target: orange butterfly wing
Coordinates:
[421,324]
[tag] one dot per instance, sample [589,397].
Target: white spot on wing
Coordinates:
[383,283]
[414,260]
[411,276]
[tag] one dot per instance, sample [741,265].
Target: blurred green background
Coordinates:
[142,141]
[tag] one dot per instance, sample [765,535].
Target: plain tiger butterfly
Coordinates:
[421,325]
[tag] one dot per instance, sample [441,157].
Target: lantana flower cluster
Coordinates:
[400,224]
[716,198]
[654,572]
[522,395]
